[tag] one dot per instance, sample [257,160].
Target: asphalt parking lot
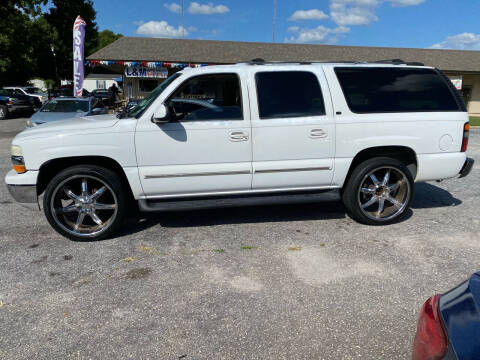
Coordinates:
[275,282]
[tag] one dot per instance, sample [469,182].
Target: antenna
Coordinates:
[183,20]
[274,19]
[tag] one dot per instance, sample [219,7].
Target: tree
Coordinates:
[61,18]
[106,37]
[17,54]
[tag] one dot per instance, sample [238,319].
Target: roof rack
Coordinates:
[259,61]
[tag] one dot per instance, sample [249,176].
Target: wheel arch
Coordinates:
[403,153]
[52,167]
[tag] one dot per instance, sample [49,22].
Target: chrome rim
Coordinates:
[84,205]
[384,193]
[2,112]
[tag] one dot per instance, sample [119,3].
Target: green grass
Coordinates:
[248,247]
[474,120]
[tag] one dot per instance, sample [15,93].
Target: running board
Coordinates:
[204,202]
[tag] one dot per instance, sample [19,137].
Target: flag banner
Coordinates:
[78,55]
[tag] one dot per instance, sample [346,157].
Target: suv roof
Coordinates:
[259,61]
[283,64]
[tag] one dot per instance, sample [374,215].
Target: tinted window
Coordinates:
[377,90]
[66,106]
[288,94]
[208,97]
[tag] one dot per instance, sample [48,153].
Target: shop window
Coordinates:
[148,85]
[101,84]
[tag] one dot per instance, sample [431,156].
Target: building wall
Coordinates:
[91,84]
[133,89]
[474,103]
[471,82]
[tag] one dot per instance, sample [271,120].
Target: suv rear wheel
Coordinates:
[85,202]
[379,191]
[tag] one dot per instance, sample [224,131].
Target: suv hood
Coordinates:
[70,125]
[45,116]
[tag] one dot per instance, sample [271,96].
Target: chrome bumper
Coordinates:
[23,193]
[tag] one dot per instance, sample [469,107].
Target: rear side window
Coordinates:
[288,94]
[380,90]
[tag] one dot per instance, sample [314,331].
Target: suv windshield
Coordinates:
[138,110]
[66,106]
[33,90]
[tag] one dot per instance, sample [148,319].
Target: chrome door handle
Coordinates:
[238,136]
[317,133]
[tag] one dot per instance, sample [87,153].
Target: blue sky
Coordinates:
[398,23]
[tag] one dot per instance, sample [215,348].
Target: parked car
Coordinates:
[12,101]
[66,108]
[101,94]
[131,104]
[38,100]
[65,92]
[32,90]
[449,324]
[255,133]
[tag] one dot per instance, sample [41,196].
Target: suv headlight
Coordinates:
[17,159]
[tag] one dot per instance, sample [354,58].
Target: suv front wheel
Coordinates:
[379,191]
[85,202]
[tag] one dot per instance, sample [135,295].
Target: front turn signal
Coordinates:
[19,168]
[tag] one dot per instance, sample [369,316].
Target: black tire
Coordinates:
[99,176]
[361,189]
[3,112]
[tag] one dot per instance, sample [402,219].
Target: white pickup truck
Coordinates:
[250,133]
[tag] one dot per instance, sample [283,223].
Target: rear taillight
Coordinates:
[466,132]
[430,340]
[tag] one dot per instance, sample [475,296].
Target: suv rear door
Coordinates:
[293,129]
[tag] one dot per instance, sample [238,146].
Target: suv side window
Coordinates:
[381,90]
[286,94]
[208,97]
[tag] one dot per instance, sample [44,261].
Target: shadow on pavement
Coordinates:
[431,196]
[426,196]
[240,215]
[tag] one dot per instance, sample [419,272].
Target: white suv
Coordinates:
[250,133]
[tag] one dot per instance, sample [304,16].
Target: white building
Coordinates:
[99,81]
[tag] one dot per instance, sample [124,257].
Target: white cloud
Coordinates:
[398,3]
[207,9]
[353,12]
[161,29]
[320,34]
[362,12]
[465,41]
[174,7]
[313,14]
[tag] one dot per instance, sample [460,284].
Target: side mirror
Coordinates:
[161,116]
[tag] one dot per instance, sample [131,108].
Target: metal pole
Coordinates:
[274,19]
[183,20]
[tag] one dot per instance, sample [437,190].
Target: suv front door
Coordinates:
[293,129]
[206,147]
